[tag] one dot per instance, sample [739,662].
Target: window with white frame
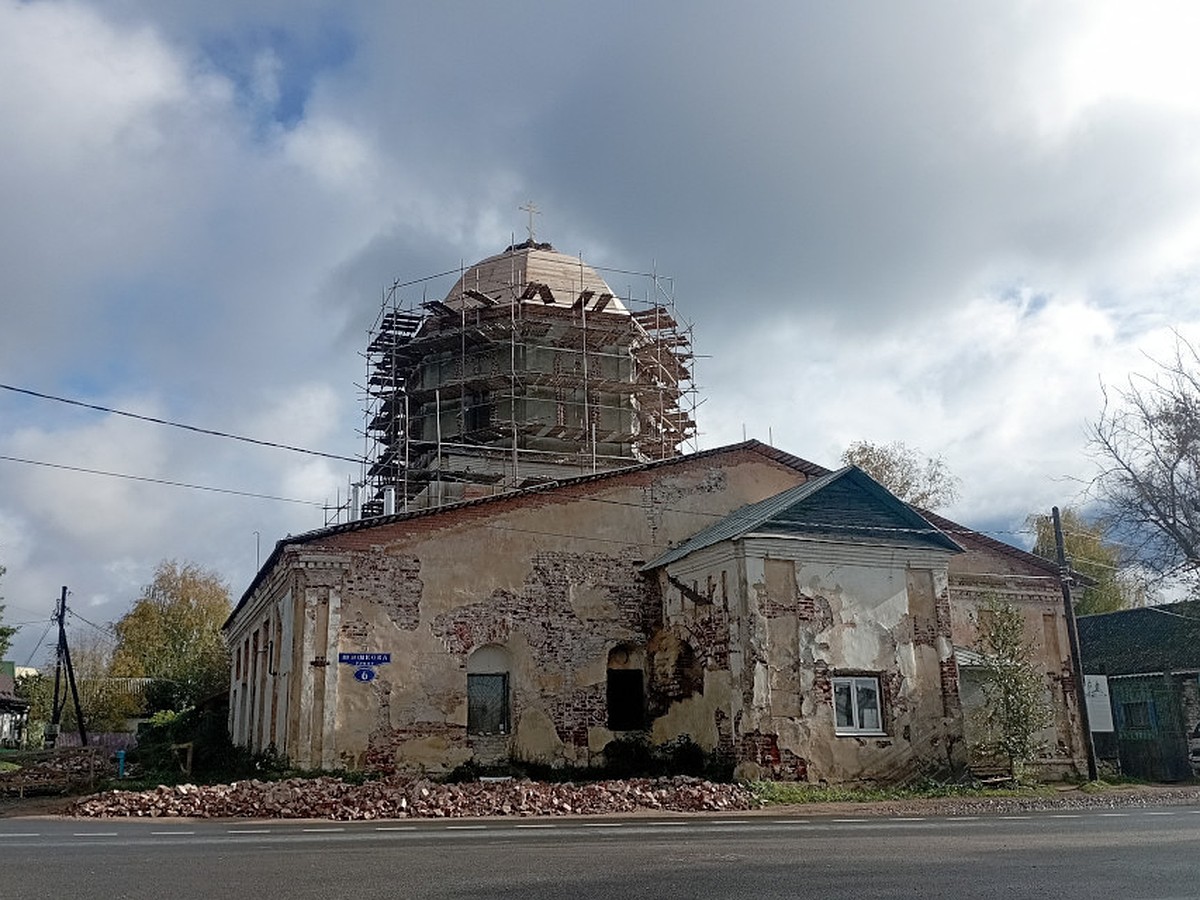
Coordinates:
[856,705]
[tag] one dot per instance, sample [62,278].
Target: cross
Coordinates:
[533,211]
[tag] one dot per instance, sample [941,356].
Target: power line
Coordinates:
[39,643]
[105,629]
[165,481]
[193,428]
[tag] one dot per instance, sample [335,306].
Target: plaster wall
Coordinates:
[1039,600]
[794,614]
[553,578]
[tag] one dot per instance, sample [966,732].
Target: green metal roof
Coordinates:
[846,505]
[1150,639]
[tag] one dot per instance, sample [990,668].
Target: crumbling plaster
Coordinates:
[796,612]
[553,578]
[1039,600]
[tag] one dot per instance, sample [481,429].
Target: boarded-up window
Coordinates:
[487,704]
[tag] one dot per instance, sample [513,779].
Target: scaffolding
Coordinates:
[510,381]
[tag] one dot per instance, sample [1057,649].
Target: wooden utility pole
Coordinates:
[1064,579]
[64,661]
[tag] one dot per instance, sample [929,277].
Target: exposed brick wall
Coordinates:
[382,746]
[389,581]
[541,610]
[573,714]
[558,639]
[778,762]
[708,634]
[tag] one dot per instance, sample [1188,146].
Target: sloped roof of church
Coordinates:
[846,505]
[525,268]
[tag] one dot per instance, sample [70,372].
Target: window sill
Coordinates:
[861,734]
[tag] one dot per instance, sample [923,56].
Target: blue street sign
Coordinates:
[364,675]
[360,660]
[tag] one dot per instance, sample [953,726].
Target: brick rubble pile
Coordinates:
[399,798]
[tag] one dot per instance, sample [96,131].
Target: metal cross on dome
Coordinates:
[530,208]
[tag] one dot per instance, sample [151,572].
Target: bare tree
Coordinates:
[924,482]
[1148,442]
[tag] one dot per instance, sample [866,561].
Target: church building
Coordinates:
[536,567]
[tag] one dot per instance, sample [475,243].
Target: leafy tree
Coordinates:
[107,702]
[38,691]
[1090,554]
[1148,442]
[1017,710]
[924,482]
[173,634]
[6,631]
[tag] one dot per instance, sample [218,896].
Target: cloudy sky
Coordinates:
[946,224]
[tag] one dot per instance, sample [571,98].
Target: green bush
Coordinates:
[160,754]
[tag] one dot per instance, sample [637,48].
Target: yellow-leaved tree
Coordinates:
[172,634]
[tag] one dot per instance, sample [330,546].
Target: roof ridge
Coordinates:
[752,445]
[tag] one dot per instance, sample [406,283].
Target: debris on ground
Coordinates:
[42,771]
[396,797]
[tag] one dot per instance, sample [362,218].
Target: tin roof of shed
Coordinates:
[1150,639]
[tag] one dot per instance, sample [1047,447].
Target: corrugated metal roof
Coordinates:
[846,505]
[1149,639]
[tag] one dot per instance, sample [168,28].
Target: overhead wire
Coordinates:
[162,481]
[39,643]
[105,629]
[194,428]
[324,454]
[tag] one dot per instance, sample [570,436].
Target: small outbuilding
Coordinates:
[1147,662]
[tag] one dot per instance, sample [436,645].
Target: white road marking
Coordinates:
[1117,815]
[1016,817]
[537,826]
[323,830]
[850,820]
[248,831]
[396,828]
[1160,813]
[1065,816]
[21,834]
[465,827]
[95,834]
[731,822]
[909,819]
[602,824]
[665,824]
[172,832]
[963,818]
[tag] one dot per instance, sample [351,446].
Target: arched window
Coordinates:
[626,689]
[487,691]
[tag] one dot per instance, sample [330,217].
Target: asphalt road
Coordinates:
[1133,853]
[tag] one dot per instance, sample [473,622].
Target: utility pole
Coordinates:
[1064,579]
[64,661]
